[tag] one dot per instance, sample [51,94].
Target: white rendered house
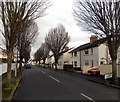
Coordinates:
[92,54]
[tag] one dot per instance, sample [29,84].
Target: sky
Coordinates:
[61,11]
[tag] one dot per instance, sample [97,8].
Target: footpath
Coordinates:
[98,79]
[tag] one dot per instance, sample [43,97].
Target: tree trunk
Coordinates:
[44,62]
[55,66]
[36,61]
[20,65]
[56,62]
[114,71]
[9,64]
[39,62]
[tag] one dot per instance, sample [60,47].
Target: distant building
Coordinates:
[94,53]
[3,55]
[118,59]
[89,55]
[50,60]
[64,58]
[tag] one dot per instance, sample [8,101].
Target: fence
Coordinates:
[104,69]
[3,67]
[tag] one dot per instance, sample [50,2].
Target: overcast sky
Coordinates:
[60,12]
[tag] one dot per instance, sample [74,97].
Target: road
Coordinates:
[48,84]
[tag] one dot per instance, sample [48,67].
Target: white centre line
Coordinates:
[87,97]
[54,78]
[43,72]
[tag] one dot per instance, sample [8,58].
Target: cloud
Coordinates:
[60,12]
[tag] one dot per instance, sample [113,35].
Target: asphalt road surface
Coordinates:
[48,84]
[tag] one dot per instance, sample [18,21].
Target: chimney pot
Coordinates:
[93,38]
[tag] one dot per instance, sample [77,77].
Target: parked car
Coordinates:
[95,71]
[27,66]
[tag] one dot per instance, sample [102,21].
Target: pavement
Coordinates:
[48,84]
[98,79]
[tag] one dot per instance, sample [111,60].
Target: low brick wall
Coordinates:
[85,69]
[104,69]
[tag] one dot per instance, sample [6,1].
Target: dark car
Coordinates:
[95,71]
[27,66]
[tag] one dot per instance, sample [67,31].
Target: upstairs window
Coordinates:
[91,50]
[75,54]
[86,51]
[72,54]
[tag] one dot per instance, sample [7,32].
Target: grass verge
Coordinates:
[8,92]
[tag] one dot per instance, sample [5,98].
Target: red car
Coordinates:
[95,71]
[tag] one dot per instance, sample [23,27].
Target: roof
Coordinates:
[89,45]
[61,52]
[65,51]
[2,48]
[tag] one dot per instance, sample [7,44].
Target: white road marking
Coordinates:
[54,78]
[87,97]
[43,72]
[39,70]
[33,71]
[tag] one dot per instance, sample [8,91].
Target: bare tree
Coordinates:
[38,55]
[102,18]
[26,54]
[25,39]
[44,52]
[14,16]
[56,40]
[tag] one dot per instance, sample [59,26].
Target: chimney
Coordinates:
[66,48]
[93,38]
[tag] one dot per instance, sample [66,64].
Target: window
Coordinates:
[75,54]
[91,50]
[102,62]
[92,63]
[86,51]
[75,63]
[86,62]
[72,62]
[119,61]
[72,54]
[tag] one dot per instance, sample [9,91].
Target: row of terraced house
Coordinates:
[90,55]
